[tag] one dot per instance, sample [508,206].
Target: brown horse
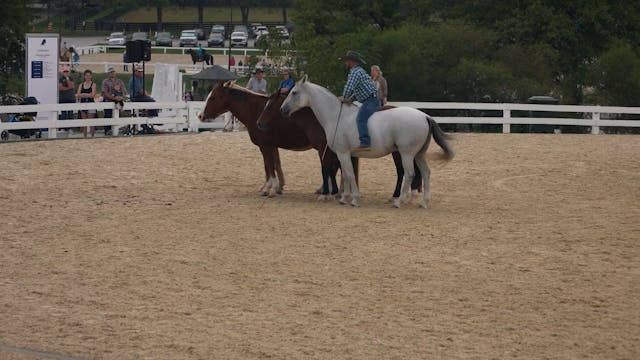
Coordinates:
[272,113]
[300,132]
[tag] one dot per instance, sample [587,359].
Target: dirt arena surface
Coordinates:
[160,248]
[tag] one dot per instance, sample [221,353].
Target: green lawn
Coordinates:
[211,14]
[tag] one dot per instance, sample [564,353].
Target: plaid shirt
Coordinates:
[359,85]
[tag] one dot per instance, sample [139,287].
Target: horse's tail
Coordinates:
[441,139]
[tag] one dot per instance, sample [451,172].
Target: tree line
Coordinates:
[582,51]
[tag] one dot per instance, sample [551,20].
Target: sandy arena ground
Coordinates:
[160,248]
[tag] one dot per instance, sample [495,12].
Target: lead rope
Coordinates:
[335,132]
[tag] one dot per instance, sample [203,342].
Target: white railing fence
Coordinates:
[97,49]
[184,115]
[590,116]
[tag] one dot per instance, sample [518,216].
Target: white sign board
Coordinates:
[42,67]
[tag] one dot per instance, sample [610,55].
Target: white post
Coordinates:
[506,126]
[106,67]
[116,116]
[53,130]
[595,129]
[193,119]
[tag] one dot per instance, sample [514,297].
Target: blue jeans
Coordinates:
[369,106]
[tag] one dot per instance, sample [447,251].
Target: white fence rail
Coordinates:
[97,49]
[590,116]
[184,115]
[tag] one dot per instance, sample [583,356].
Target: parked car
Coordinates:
[261,31]
[188,38]
[242,29]
[215,39]
[239,38]
[200,34]
[283,31]
[164,39]
[117,39]
[219,29]
[139,36]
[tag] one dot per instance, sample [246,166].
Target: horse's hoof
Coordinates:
[424,203]
[279,191]
[414,194]
[322,198]
[392,199]
[354,204]
[264,193]
[396,203]
[343,201]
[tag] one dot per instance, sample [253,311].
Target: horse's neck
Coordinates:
[247,112]
[327,109]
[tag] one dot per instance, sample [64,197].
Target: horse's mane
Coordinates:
[234,86]
[322,88]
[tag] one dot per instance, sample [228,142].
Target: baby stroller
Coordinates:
[30,116]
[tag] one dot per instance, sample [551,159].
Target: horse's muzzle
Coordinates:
[284,111]
[262,126]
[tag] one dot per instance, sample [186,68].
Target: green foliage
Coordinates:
[480,50]
[615,76]
[14,20]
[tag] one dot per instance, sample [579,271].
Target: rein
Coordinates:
[335,132]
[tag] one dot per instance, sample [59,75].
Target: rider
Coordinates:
[360,87]
[200,52]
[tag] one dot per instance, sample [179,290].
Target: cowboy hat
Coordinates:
[353,55]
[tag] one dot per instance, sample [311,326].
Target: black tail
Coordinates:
[441,139]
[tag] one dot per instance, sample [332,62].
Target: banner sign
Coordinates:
[42,67]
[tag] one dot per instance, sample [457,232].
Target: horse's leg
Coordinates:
[267,158]
[407,164]
[274,184]
[423,166]
[278,167]
[417,180]
[349,180]
[356,168]
[334,184]
[325,184]
[397,161]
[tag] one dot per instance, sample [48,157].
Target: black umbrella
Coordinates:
[215,73]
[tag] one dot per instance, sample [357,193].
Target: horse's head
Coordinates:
[297,98]
[271,111]
[217,102]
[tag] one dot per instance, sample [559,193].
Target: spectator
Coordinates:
[74,57]
[125,60]
[232,62]
[257,83]
[188,96]
[112,91]
[287,82]
[66,88]
[86,93]
[136,91]
[381,84]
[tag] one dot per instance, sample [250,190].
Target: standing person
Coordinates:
[381,84]
[66,94]
[232,62]
[125,60]
[136,91]
[112,91]
[287,82]
[360,87]
[86,93]
[257,83]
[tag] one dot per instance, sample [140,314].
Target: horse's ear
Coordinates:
[304,79]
